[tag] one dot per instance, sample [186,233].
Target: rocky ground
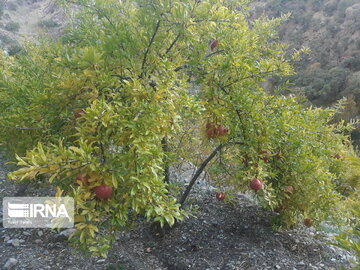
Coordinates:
[218,235]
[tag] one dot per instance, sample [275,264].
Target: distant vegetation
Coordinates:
[331,30]
[49,23]
[2,5]
[12,27]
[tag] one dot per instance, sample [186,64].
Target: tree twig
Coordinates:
[173,43]
[150,43]
[251,76]
[200,170]
[213,53]
[165,147]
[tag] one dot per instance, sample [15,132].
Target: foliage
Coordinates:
[330,8]
[2,7]
[49,23]
[12,6]
[326,27]
[319,83]
[350,238]
[10,45]
[130,75]
[14,49]
[353,63]
[12,27]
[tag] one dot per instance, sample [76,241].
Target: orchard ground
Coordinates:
[218,235]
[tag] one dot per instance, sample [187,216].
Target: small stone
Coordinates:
[67,232]
[40,233]
[148,250]
[38,241]
[100,261]
[6,238]
[277,266]
[300,263]
[15,242]
[26,233]
[10,263]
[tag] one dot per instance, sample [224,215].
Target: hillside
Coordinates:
[22,20]
[331,29]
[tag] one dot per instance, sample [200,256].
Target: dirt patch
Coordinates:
[237,236]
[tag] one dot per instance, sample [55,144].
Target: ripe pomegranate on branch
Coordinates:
[215,131]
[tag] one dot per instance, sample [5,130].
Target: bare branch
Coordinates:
[201,169]
[150,43]
[217,52]
[173,43]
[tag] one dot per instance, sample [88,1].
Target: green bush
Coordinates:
[352,63]
[48,23]
[317,5]
[343,5]
[2,6]
[353,83]
[11,6]
[330,8]
[357,43]
[6,40]
[333,28]
[12,27]
[349,239]
[14,49]
[323,85]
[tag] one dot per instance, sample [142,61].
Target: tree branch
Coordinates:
[200,170]
[172,44]
[150,43]
[213,53]
[251,76]
[165,147]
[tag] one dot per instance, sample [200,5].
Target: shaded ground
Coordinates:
[218,236]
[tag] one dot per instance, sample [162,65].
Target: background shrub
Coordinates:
[12,27]
[50,23]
